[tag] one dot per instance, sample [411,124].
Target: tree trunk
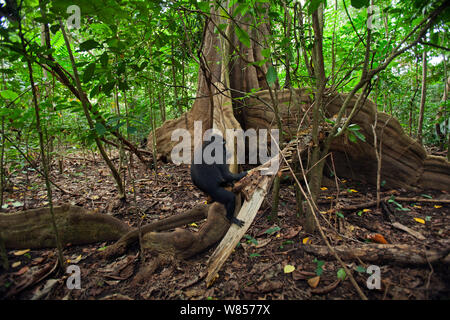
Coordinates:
[84,103]
[423,96]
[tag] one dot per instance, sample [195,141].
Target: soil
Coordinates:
[259,266]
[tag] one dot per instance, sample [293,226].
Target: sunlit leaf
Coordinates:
[288,268]
[21,252]
[419,220]
[271,75]
[243,36]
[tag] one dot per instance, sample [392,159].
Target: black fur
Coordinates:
[211,178]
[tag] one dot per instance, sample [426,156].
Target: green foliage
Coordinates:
[319,268]
[146,51]
[272,230]
[341,275]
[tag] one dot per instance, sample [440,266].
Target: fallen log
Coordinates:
[383,253]
[32,229]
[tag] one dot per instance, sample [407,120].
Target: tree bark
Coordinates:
[423,96]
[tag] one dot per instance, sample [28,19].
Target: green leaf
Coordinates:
[131,130]
[354,127]
[360,269]
[340,215]
[106,89]
[352,137]
[8,95]
[272,230]
[54,28]
[100,128]
[265,52]
[104,59]
[341,274]
[319,268]
[271,75]
[203,6]
[358,4]
[241,9]
[89,72]
[314,4]
[222,26]
[88,45]
[143,65]
[243,36]
[250,239]
[123,86]
[94,91]
[359,135]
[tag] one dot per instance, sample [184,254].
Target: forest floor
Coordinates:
[256,268]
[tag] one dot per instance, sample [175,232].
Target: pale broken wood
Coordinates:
[247,213]
[412,232]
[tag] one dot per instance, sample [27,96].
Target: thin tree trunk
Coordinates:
[2,151]
[42,149]
[84,103]
[423,96]
[316,164]
[442,112]
[174,80]
[411,103]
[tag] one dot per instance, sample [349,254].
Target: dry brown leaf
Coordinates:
[314,282]
[377,238]
[22,271]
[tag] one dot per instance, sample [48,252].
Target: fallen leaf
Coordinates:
[419,220]
[292,232]
[437,206]
[288,268]
[306,240]
[314,282]
[377,238]
[263,242]
[22,270]
[76,260]
[367,210]
[353,190]
[21,252]
[323,188]
[16,264]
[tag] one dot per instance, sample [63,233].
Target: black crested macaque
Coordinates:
[211,178]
